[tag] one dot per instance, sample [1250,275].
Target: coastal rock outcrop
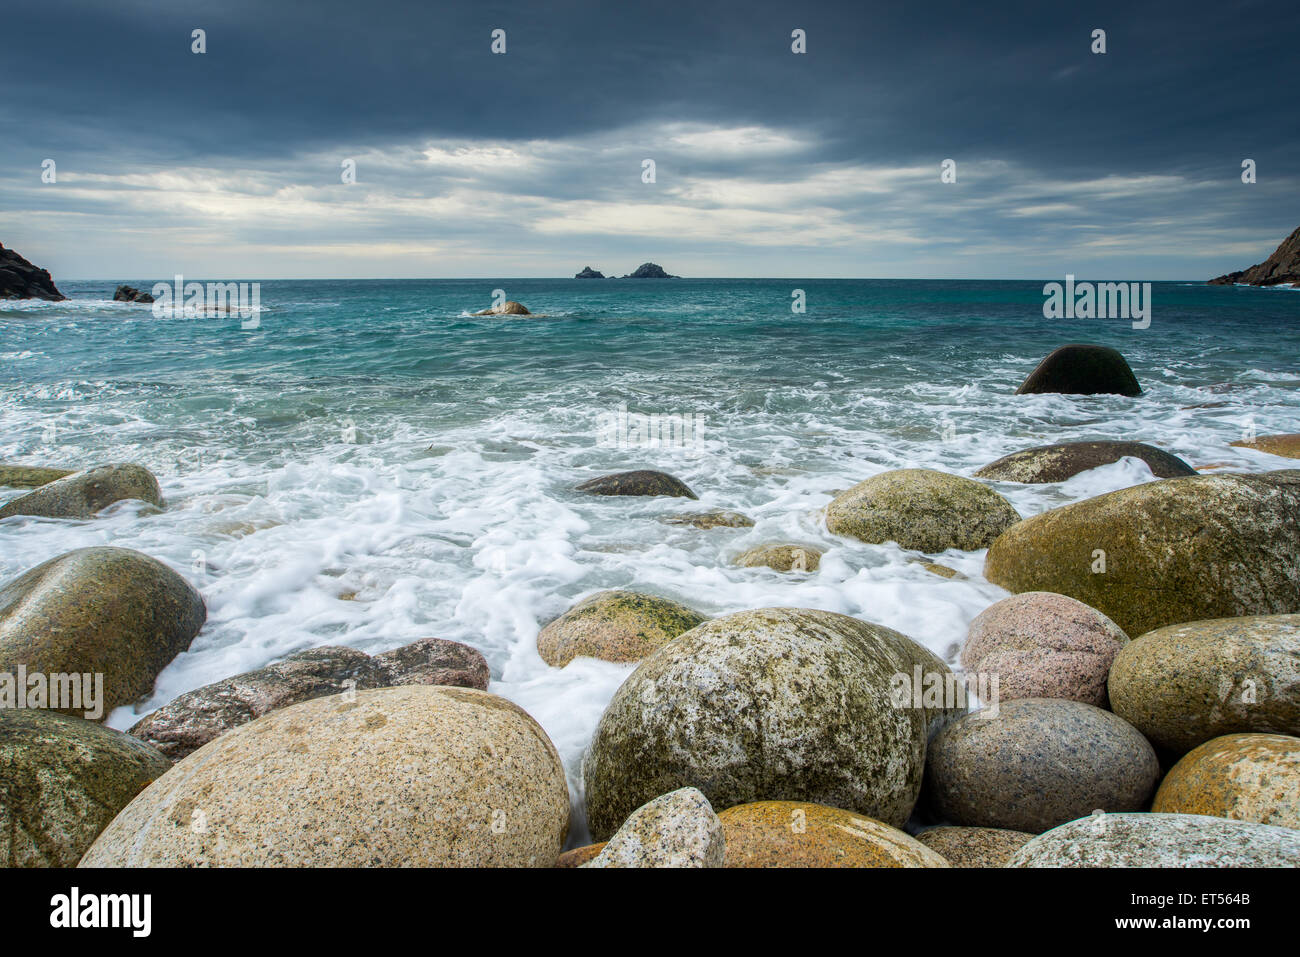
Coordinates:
[1245,777]
[1056,463]
[1037,763]
[649,271]
[1043,645]
[1182,549]
[1287,446]
[974,846]
[62,779]
[1161,840]
[84,494]
[1281,267]
[415,776]
[638,482]
[921,509]
[781,558]
[190,721]
[29,476]
[775,703]
[799,834]
[125,293]
[589,273]
[1184,684]
[99,610]
[1079,369]
[674,830]
[19,279]
[614,626]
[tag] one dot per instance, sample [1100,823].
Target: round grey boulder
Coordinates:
[1056,463]
[84,494]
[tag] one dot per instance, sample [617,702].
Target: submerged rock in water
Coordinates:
[799,834]
[190,721]
[84,494]
[19,279]
[589,273]
[614,626]
[126,293]
[1177,550]
[1079,369]
[99,611]
[1056,463]
[1161,840]
[1245,777]
[674,830]
[414,776]
[62,779]
[1043,645]
[921,509]
[1287,446]
[776,703]
[29,476]
[507,308]
[639,482]
[718,518]
[781,558]
[974,846]
[1184,684]
[1037,763]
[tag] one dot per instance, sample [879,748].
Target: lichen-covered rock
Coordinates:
[1287,446]
[29,476]
[62,779]
[921,509]
[772,704]
[101,610]
[1206,546]
[1185,684]
[1079,369]
[639,482]
[974,846]
[1056,463]
[1039,763]
[781,558]
[1042,645]
[717,518]
[1161,840]
[614,626]
[1246,777]
[674,830]
[799,834]
[84,494]
[190,721]
[416,776]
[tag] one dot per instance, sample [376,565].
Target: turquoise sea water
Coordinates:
[372,465]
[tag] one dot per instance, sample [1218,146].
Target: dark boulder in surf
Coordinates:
[126,293]
[639,482]
[1056,463]
[1079,369]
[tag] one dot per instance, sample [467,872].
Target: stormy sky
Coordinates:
[227,164]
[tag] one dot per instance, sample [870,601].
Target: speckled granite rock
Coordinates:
[190,721]
[1080,369]
[99,610]
[1056,463]
[776,703]
[580,855]
[614,626]
[943,571]
[84,494]
[29,476]
[640,482]
[415,776]
[1207,546]
[1287,446]
[1161,840]
[798,834]
[718,518]
[921,509]
[1246,777]
[62,779]
[974,846]
[1043,645]
[781,558]
[1039,763]
[1185,684]
[674,830]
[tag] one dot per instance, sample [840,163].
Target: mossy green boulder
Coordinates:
[84,494]
[1185,684]
[773,704]
[100,610]
[921,509]
[62,779]
[614,626]
[29,476]
[1183,549]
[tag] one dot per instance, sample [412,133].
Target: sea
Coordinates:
[368,463]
